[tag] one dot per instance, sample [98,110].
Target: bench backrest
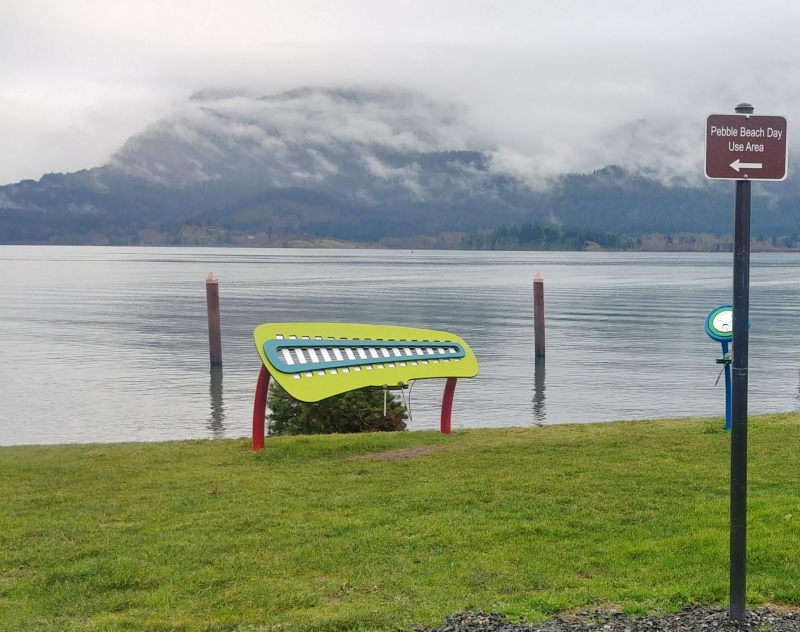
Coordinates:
[312,361]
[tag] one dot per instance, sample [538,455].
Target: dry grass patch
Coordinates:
[399,455]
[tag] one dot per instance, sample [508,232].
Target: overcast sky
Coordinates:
[558,78]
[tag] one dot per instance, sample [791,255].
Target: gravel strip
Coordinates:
[700,618]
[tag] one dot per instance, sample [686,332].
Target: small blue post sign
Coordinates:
[719,327]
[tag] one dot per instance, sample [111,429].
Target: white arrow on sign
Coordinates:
[736,165]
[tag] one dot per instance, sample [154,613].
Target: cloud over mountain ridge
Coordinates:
[309,135]
[293,138]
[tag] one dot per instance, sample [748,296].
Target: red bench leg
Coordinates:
[447,404]
[260,408]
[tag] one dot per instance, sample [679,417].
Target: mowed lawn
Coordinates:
[316,533]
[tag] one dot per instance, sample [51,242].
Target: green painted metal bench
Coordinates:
[312,361]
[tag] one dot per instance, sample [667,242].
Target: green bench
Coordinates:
[313,361]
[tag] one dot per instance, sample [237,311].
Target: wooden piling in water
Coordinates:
[538,315]
[214,329]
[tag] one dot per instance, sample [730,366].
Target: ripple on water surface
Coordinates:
[110,344]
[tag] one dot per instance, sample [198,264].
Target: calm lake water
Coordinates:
[111,344]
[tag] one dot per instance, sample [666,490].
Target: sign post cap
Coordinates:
[744,108]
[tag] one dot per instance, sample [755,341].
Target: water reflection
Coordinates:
[538,392]
[216,420]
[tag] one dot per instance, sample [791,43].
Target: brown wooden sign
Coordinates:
[746,147]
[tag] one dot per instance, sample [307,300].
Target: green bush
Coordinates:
[356,411]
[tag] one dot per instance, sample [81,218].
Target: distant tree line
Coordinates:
[535,236]
[609,204]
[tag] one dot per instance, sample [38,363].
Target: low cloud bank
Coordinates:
[312,134]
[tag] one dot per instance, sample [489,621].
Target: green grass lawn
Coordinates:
[311,535]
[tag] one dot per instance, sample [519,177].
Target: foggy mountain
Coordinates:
[364,165]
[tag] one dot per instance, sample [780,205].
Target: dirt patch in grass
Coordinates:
[777,607]
[399,455]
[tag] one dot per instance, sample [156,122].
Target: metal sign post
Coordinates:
[741,341]
[742,147]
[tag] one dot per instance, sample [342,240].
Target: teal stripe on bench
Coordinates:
[410,351]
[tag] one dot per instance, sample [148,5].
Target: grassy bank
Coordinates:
[330,533]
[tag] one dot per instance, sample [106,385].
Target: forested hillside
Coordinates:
[361,167]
